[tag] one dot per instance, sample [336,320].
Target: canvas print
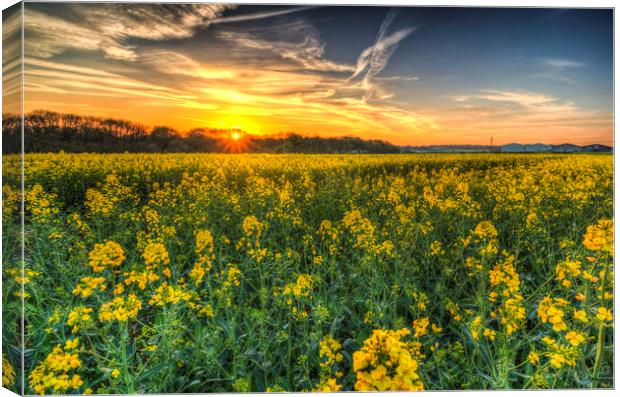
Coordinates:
[215,197]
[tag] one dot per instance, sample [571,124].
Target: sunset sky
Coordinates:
[417,76]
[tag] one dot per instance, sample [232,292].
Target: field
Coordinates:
[209,273]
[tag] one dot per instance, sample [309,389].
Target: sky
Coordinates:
[407,75]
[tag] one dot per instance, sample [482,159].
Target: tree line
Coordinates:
[46,131]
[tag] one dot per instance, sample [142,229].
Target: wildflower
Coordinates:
[330,351]
[580,315]
[533,358]
[169,294]
[55,373]
[600,237]
[489,333]
[79,317]
[155,255]
[115,373]
[232,276]
[575,338]
[549,310]
[474,327]
[142,279]
[87,285]
[252,227]
[485,229]
[204,250]
[385,363]
[120,309]
[436,248]
[8,373]
[567,268]
[301,287]
[559,359]
[604,314]
[106,256]
[98,203]
[420,326]
[328,385]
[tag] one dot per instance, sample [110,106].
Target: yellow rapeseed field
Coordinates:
[207,273]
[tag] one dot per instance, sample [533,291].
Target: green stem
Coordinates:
[601,332]
[126,375]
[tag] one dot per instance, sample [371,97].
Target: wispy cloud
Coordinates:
[375,58]
[302,46]
[562,63]
[107,27]
[524,101]
[259,15]
[559,69]
[522,116]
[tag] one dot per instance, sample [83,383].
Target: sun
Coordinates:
[235,136]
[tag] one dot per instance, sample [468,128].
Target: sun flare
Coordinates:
[235,136]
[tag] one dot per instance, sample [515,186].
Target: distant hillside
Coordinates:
[509,148]
[52,132]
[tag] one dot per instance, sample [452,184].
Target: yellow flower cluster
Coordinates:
[79,317]
[420,326]
[253,230]
[142,279]
[550,311]
[302,287]
[232,276]
[330,351]
[485,229]
[87,285]
[204,251]
[385,363]
[10,201]
[474,327]
[327,386]
[97,203]
[436,249]
[364,234]
[560,355]
[329,234]
[16,273]
[75,221]
[505,282]
[604,314]
[600,237]
[567,268]
[120,309]
[106,256]
[103,201]
[252,227]
[454,310]
[202,310]
[575,338]
[8,373]
[40,205]
[169,294]
[155,255]
[54,373]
